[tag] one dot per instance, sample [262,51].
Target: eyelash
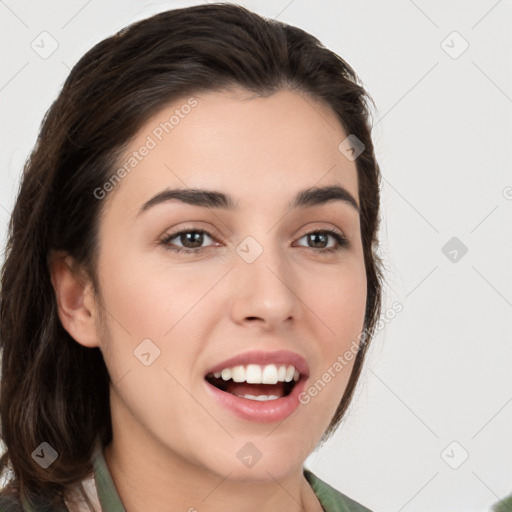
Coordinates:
[341,241]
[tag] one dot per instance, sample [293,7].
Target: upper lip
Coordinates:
[277,357]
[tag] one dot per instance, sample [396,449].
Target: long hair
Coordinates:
[54,390]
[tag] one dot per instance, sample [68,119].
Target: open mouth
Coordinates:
[256,382]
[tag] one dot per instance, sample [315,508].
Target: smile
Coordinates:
[259,386]
[256,382]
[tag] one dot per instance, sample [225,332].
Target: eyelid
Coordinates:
[210,231]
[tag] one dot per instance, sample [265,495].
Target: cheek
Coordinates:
[338,299]
[338,304]
[148,300]
[148,312]
[153,300]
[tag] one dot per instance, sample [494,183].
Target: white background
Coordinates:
[440,370]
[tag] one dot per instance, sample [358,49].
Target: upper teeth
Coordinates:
[256,374]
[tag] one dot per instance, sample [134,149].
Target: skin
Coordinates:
[173,447]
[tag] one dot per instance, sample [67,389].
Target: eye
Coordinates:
[321,237]
[192,239]
[192,244]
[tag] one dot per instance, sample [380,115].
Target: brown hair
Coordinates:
[52,388]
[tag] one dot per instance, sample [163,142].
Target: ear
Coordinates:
[76,304]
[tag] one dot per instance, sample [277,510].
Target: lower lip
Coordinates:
[268,411]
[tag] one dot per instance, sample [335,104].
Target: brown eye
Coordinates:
[191,240]
[320,238]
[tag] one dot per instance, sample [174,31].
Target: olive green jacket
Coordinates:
[505,505]
[108,497]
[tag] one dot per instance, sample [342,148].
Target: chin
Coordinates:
[263,459]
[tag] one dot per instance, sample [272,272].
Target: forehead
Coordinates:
[252,147]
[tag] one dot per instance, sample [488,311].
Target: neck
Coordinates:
[149,477]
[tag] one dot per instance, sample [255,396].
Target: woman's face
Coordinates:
[254,294]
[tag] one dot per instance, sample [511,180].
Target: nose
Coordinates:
[265,289]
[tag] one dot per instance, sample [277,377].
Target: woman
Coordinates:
[192,277]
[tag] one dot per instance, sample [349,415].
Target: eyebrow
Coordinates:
[309,197]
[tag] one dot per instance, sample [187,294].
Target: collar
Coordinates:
[330,499]
[107,493]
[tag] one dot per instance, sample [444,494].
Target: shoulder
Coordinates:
[504,505]
[331,499]
[10,504]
